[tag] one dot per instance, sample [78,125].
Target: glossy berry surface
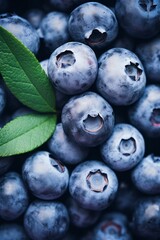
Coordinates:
[92,122]
[125,84]
[146,218]
[46,220]
[112,226]
[124,149]
[145,176]
[53,29]
[21,29]
[145,14]
[72,68]
[93,185]
[81,217]
[96,177]
[14,197]
[145,113]
[64,149]
[46,177]
[148,53]
[94,24]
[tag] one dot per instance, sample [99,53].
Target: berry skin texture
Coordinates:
[121,78]
[46,177]
[93,185]
[53,29]
[5,164]
[14,231]
[14,197]
[72,68]
[61,98]
[112,226]
[64,149]
[22,30]
[34,16]
[124,149]
[94,24]
[126,195]
[146,175]
[146,218]
[88,119]
[149,53]
[46,220]
[81,217]
[139,18]
[145,113]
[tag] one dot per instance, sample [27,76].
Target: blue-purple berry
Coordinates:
[72,68]
[88,119]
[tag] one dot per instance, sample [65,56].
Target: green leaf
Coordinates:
[24,75]
[25,133]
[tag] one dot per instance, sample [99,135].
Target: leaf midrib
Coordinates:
[26,73]
[25,132]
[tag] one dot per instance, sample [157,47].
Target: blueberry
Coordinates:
[94,24]
[46,177]
[61,98]
[124,149]
[5,164]
[145,175]
[149,53]
[93,185]
[64,149]
[88,119]
[22,30]
[12,231]
[138,18]
[113,226]
[2,99]
[81,217]
[13,196]
[53,29]
[146,218]
[22,111]
[126,198]
[72,68]
[44,65]
[145,113]
[121,78]
[46,220]
[34,16]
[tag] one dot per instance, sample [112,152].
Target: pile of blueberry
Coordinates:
[98,176]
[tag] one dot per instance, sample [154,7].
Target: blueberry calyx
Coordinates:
[147,5]
[96,36]
[115,228]
[155,158]
[65,59]
[97,181]
[155,117]
[127,146]
[93,123]
[133,71]
[57,164]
